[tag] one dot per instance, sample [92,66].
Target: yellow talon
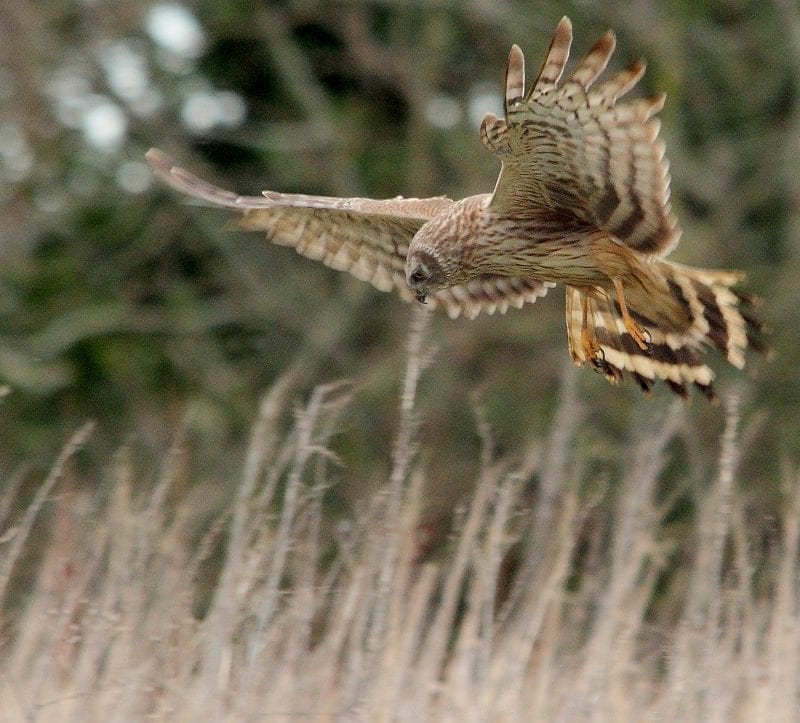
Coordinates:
[591,347]
[639,334]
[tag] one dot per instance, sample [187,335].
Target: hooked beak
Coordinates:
[420,297]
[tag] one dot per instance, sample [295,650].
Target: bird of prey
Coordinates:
[582,200]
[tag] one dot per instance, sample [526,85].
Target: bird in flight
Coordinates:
[582,200]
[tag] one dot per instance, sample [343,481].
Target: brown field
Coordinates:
[126,619]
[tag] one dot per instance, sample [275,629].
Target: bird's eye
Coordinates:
[418,275]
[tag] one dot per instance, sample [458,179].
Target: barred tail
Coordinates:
[685,312]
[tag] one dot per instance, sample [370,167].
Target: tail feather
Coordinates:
[715,309]
[707,312]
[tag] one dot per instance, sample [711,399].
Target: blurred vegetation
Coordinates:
[570,499]
[121,304]
[606,607]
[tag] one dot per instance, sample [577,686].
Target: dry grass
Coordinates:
[583,631]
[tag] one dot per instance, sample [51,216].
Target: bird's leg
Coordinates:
[636,330]
[588,340]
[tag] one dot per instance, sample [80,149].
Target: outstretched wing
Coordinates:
[366,237]
[573,148]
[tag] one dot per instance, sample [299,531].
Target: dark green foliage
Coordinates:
[138,310]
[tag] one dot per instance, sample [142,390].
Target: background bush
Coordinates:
[122,305]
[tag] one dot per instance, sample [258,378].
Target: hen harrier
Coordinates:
[582,199]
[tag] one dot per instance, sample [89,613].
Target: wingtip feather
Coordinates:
[555,60]
[187,182]
[515,76]
[159,161]
[564,25]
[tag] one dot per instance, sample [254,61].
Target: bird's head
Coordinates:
[424,274]
[431,264]
[443,251]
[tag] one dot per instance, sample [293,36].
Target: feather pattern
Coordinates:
[582,199]
[369,238]
[573,148]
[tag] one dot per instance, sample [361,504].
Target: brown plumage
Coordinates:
[582,199]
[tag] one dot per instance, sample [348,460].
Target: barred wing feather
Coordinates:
[573,148]
[366,237]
